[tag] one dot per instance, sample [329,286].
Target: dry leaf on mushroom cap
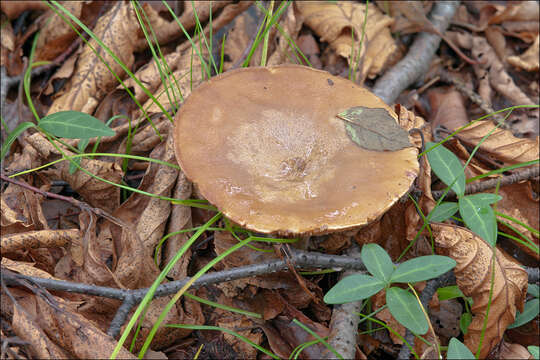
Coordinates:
[265,146]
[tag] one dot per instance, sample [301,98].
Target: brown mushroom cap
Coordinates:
[264,146]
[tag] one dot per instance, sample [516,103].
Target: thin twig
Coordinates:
[516,177]
[301,259]
[344,322]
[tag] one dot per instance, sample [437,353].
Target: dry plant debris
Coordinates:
[278,150]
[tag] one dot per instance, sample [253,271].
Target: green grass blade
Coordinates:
[216,328]
[150,294]
[10,139]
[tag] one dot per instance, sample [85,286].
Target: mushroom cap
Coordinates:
[265,147]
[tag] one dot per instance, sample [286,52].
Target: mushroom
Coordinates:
[265,147]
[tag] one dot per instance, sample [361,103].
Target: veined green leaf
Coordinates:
[447,167]
[443,212]
[534,290]
[484,199]
[422,268]
[13,136]
[458,351]
[530,310]
[377,262]
[353,288]
[480,219]
[405,308]
[74,125]
[449,292]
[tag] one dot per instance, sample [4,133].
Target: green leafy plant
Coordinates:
[535,351]
[457,350]
[402,304]
[475,209]
[453,292]
[530,310]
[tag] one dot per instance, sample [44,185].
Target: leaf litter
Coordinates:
[117,249]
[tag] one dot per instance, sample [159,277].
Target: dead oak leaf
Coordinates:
[93,79]
[340,22]
[473,273]
[501,145]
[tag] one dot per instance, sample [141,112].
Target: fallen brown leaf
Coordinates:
[75,333]
[517,202]
[96,192]
[25,268]
[474,272]
[167,30]
[245,327]
[150,215]
[14,8]
[336,22]
[28,330]
[501,146]
[56,35]
[512,351]
[37,239]
[291,23]
[93,79]
[529,59]
[180,219]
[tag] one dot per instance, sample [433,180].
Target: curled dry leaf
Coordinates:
[74,332]
[25,268]
[41,346]
[291,24]
[180,219]
[92,79]
[7,41]
[145,139]
[501,145]
[165,30]
[21,211]
[15,8]
[528,61]
[37,239]
[245,327]
[518,11]
[57,34]
[181,60]
[491,66]
[474,272]
[188,75]
[517,202]
[336,22]
[96,192]
[490,70]
[448,109]
[512,351]
[150,215]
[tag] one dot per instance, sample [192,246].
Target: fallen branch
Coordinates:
[516,177]
[344,322]
[416,62]
[130,298]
